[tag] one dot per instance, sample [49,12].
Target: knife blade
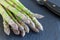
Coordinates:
[51,6]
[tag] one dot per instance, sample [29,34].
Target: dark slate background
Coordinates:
[50,22]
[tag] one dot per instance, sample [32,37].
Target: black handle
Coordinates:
[53,7]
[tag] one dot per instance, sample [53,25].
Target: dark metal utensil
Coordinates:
[51,6]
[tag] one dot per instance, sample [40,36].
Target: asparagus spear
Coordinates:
[32,25]
[8,19]
[35,15]
[28,12]
[26,28]
[20,26]
[22,23]
[15,12]
[15,32]
[6,27]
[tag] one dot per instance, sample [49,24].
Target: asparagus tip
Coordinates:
[23,33]
[7,31]
[38,16]
[16,32]
[41,28]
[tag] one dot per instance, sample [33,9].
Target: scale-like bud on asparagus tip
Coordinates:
[41,27]
[6,27]
[23,33]
[26,28]
[13,25]
[38,16]
[17,32]
[32,26]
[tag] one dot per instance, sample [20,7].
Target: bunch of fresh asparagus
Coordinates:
[16,15]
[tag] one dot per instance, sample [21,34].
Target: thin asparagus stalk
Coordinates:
[8,19]
[35,15]
[15,12]
[20,23]
[28,12]
[32,25]
[20,5]
[21,27]
[12,4]
[6,27]
[15,32]
[26,28]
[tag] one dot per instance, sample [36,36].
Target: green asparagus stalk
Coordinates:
[28,12]
[21,27]
[15,12]
[26,28]
[12,4]
[20,5]
[15,32]
[32,25]
[35,15]
[8,19]
[6,27]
